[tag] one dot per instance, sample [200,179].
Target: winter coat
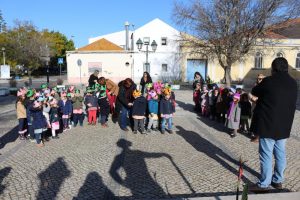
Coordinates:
[166,106]
[123,100]
[91,99]
[196,96]
[112,87]
[139,106]
[92,80]
[153,106]
[38,119]
[54,115]
[65,108]
[21,110]
[77,102]
[275,107]
[29,106]
[233,116]
[246,108]
[104,106]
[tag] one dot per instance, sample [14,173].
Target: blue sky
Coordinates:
[86,18]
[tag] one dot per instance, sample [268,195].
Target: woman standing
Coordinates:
[144,80]
[197,79]
[93,78]
[125,100]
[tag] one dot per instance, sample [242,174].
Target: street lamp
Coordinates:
[146,42]
[3,51]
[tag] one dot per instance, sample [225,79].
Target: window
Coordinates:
[298,61]
[279,55]
[164,67]
[163,41]
[258,61]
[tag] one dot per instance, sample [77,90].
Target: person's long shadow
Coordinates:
[138,179]
[3,173]
[52,178]
[9,137]
[212,151]
[94,188]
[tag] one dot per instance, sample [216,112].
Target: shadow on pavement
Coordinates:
[212,151]
[9,137]
[3,173]
[138,178]
[6,100]
[52,178]
[94,188]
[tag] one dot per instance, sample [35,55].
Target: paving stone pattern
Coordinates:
[199,159]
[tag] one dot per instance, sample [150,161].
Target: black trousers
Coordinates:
[138,123]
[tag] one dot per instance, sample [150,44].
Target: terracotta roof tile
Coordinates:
[101,45]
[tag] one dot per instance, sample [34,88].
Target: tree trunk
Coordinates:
[227,76]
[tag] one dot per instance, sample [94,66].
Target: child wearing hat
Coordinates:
[234,115]
[77,101]
[39,122]
[54,118]
[91,103]
[167,111]
[21,114]
[104,106]
[65,108]
[153,112]
[29,104]
[138,111]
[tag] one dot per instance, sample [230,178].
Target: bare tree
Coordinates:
[226,30]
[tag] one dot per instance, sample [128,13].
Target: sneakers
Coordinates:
[155,129]
[134,132]
[22,137]
[163,131]
[143,132]
[125,129]
[276,185]
[171,131]
[149,130]
[55,137]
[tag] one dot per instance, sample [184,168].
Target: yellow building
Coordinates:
[281,42]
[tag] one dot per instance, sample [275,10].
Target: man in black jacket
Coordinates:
[274,113]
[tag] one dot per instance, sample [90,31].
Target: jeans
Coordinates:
[125,111]
[76,118]
[103,119]
[163,123]
[38,135]
[22,124]
[268,147]
[139,123]
[31,131]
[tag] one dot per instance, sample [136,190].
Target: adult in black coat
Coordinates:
[274,113]
[93,78]
[144,80]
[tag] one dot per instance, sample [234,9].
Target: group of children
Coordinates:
[46,110]
[49,109]
[228,106]
[156,104]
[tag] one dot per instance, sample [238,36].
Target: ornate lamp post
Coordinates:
[146,42]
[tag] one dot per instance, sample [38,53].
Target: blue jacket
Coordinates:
[153,106]
[65,108]
[38,119]
[92,99]
[166,106]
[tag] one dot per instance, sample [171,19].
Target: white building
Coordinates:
[164,62]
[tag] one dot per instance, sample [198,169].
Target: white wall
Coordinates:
[113,65]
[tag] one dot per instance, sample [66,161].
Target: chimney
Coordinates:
[127,36]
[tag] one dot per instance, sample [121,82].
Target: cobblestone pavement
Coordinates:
[200,159]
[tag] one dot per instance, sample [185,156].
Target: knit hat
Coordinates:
[30,93]
[136,93]
[71,88]
[69,95]
[237,96]
[77,91]
[40,99]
